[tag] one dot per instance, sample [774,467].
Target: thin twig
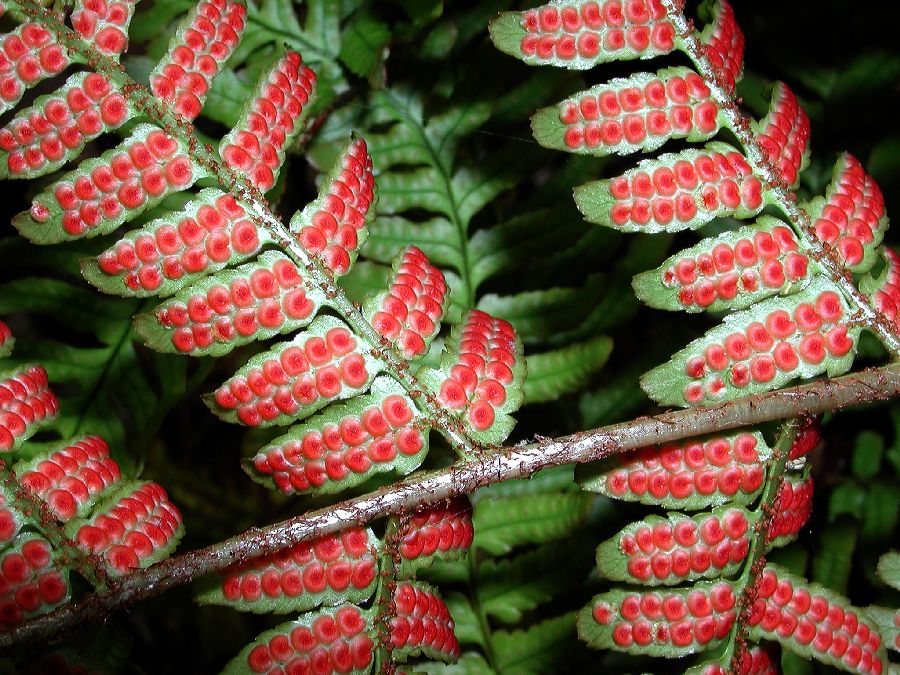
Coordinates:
[465,477]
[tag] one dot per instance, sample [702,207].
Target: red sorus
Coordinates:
[210,232]
[660,623]
[674,192]
[71,478]
[333,227]
[28,55]
[10,519]
[104,23]
[581,34]
[732,270]
[784,134]
[806,439]
[335,640]
[793,506]
[254,301]
[672,550]
[484,370]
[256,146]
[303,575]
[723,43]
[887,295]
[815,621]
[135,527]
[204,41]
[29,582]
[101,194]
[691,474]
[298,377]
[6,339]
[410,313]
[851,216]
[55,128]
[440,530]
[761,349]
[422,623]
[345,446]
[753,661]
[25,403]
[628,114]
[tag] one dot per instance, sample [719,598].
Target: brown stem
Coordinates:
[464,477]
[781,195]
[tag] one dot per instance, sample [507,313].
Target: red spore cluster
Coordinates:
[725,47]
[712,183]
[785,136]
[787,610]
[25,401]
[104,23]
[71,477]
[682,619]
[597,30]
[43,137]
[29,583]
[336,642]
[301,374]
[793,506]
[5,335]
[422,620]
[765,260]
[754,661]
[257,299]
[673,106]
[332,233]
[200,239]
[806,439]
[10,520]
[483,369]
[887,298]
[119,183]
[28,55]
[358,444]
[257,144]
[136,526]
[333,563]
[444,528]
[666,552]
[184,75]
[853,212]
[411,312]
[718,466]
[780,343]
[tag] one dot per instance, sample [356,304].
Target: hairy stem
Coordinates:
[464,477]
[783,197]
[746,584]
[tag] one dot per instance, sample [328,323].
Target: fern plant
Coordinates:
[193,253]
[449,215]
[797,312]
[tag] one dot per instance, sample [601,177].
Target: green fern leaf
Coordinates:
[537,649]
[504,524]
[561,371]
[813,338]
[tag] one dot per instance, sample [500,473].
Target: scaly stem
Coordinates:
[746,584]
[779,193]
[464,477]
[238,185]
